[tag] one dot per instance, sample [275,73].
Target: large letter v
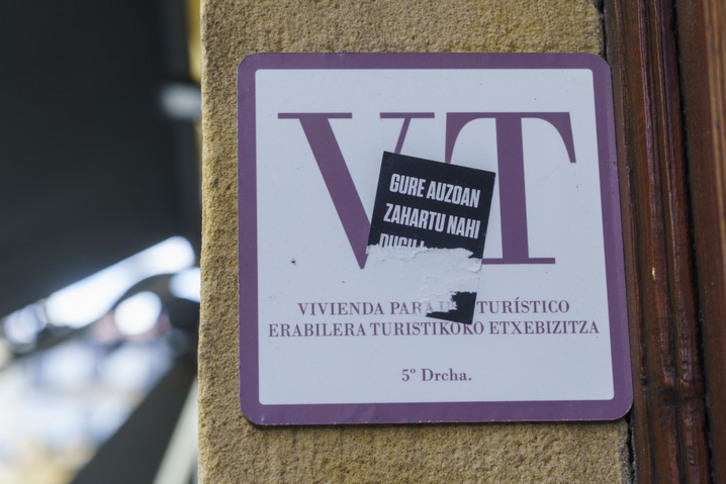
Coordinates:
[336,175]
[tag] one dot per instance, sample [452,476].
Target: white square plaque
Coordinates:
[328,335]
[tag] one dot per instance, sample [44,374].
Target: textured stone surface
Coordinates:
[234,451]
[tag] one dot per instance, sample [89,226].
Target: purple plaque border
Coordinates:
[430,412]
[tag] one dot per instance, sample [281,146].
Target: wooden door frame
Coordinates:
[702,37]
[672,192]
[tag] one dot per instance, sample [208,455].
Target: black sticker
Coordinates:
[463,312]
[423,203]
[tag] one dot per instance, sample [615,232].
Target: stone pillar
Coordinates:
[232,450]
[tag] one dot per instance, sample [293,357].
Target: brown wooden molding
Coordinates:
[702,41]
[667,420]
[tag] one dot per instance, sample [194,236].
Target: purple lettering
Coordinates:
[336,175]
[510,162]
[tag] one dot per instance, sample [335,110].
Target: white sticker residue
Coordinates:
[435,275]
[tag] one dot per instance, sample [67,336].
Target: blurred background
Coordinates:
[99,240]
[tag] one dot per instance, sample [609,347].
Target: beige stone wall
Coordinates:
[231,450]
